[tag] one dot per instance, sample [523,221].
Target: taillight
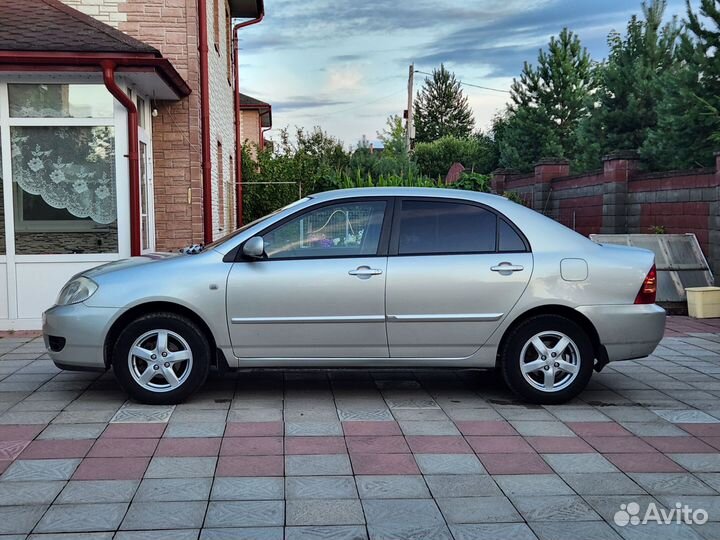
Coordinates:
[648,291]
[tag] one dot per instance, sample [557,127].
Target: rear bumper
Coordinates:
[82,330]
[627,331]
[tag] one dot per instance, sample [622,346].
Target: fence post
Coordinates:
[618,169]
[712,195]
[545,170]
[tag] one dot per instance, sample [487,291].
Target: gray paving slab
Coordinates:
[69,518]
[73,431]
[478,510]
[493,531]
[324,512]
[462,485]
[181,467]
[449,464]
[98,491]
[320,487]
[174,489]
[337,532]
[29,493]
[532,484]
[190,429]
[554,508]
[595,530]
[530,428]
[26,470]
[422,427]
[164,515]
[331,465]
[245,533]
[309,429]
[602,484]
[171,534]
[392,487]
[672,484]
[579,463]
[248,488]
[20,519]
[245,514]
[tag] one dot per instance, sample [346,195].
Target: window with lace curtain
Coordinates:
[62,142]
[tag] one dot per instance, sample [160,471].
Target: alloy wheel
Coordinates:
[160,360]
[550,361]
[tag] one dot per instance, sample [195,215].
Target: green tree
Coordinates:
[688,126]
[393,136]
[441,108]
[624,109]
[475,153]
[548,100]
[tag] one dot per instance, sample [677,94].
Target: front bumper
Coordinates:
[84,329]
[627,331]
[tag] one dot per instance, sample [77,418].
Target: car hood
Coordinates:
[127,263]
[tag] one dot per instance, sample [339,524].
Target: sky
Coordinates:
[343,64]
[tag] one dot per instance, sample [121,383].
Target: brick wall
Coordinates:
[250,126]
[107,11]
[620,199]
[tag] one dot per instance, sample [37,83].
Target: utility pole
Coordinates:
[409,126]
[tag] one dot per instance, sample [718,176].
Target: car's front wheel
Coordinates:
[547,359]
[161,358]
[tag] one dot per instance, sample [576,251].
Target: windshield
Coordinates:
[245,227]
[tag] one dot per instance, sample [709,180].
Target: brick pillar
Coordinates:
[498,180]
[545,170]
[618,170]
[714,222]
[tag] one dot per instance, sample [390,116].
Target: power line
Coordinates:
[469,84]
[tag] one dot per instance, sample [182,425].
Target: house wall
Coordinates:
[107,11]
[250,126]
[620,199]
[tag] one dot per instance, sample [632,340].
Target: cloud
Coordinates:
[298,103]
[344,78]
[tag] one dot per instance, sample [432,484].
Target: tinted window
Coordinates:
[445,227]
[338,230]
[509,239]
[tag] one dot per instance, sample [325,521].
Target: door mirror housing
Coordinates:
[254,248]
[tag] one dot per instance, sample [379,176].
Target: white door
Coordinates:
[147,208]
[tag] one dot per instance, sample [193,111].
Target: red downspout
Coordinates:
[205,121]
[238,142]
[108,68]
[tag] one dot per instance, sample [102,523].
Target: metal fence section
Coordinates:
[679,261]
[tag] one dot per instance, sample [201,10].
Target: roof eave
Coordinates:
[246,9]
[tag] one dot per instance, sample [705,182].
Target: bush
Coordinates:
[477,154]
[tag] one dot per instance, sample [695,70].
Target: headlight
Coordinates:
[76,290]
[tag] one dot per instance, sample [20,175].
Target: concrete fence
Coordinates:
[620,199]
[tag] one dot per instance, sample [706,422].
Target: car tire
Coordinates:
[161,358]
[547,359]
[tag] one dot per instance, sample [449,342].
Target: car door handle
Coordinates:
[507,267]
[365,271]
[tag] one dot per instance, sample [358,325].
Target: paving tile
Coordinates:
[679,445]
[174,489]
[702,430]
[331,532]
[70,536]
[675,484]
[320,487]
[554,508]
[415,518]
[595,530]
[181,467]
[647,462]
[438,444]
[419,427]
[602,484]
[251,446]
[134,431]
[322,512]
[183,429]
[20,432]
[654,429]
[619,444]
[57,449]
[492,531]
[598,429]
[72,431]
[65,518]
[579,463]
[695,462]
[449,464]
[377,445]
[143,414]
[254,429]
[462,485]
[98,491]
[245,533]
[315,445]
[20,519]
[686,416]
[500,444]
[4,464]
[170,534]
[164,515]
[9,450]
[318,465]
[529,428]
[29,493]
[532,484]
[131,468]
[384,464]
[559,445]
[188,447]
[245,514]
[364,415]
[514,464]
[256,415]
[309,429]
[250,466]
[370,428]
[392,487]
[25,470]
[478,510]
[115,448]
[248,488]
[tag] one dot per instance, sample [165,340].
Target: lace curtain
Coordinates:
[70,167]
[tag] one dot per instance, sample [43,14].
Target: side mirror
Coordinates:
[254,248]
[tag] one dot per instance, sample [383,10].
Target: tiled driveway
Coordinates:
[346,454]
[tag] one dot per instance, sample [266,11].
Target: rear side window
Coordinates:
[432,227]
[508,238]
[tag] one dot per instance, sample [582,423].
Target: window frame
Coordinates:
[383,243]
[394,247]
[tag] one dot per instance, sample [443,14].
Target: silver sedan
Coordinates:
[382,277]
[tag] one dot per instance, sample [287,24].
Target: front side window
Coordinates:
[435,227]
[338,230]
[63,173]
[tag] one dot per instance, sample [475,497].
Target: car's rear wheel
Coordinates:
[547,359]
[161,358]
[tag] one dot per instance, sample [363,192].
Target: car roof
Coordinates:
[408,192]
